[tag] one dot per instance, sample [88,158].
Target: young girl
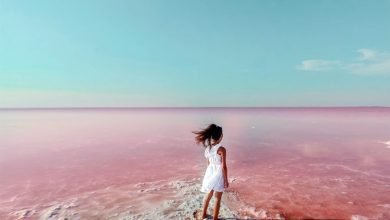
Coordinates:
[215,178]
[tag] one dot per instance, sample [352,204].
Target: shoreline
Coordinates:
[165,199]
[177,199]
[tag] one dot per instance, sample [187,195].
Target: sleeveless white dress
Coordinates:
[213,178]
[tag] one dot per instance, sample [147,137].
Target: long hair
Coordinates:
[213,131]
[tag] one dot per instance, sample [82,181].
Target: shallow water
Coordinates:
[302,162]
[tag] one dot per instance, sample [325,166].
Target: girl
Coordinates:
[215,178]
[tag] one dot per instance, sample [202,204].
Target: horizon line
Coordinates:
[188,107]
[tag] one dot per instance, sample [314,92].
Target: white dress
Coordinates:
[213,178]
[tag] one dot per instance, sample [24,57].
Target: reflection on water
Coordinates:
[318,163]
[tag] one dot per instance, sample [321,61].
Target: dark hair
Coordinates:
[213,131]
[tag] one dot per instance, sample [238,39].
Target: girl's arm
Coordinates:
[224,167]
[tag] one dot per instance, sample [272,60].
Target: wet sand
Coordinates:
[148,200]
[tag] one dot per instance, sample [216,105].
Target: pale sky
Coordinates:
[194,53]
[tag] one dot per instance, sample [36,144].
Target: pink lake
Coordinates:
[303,162]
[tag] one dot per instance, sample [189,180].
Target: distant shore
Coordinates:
[264,108]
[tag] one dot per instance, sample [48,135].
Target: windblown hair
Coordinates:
[213,131]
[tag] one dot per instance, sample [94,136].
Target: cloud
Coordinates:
[367,54]
[318,65]
[368,62]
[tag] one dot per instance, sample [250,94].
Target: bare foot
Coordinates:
[207,216]
[198,215]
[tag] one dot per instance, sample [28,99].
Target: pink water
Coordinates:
[305,163]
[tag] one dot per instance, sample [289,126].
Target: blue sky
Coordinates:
[194,53]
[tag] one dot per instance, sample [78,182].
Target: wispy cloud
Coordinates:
[367,54]
[368,62]
[319,65]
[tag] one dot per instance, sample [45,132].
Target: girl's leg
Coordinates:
[206,201]
[218,196]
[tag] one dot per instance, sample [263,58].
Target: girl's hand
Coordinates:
[226,184]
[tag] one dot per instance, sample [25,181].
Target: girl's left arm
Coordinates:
[224,167]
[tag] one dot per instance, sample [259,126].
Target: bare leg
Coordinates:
[218,196]
[206,201]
